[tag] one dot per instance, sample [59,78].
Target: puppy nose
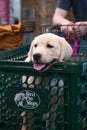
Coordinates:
[37,57]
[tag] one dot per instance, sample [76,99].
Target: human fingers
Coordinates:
[80,29]
[67,29]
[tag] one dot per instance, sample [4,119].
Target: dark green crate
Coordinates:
[53,100]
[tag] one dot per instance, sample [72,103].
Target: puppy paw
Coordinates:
[27,59]
[61,60]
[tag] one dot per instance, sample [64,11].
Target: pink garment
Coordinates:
[75,46]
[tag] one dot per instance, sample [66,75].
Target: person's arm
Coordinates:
[59,18]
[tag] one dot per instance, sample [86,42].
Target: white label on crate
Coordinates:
[27,99]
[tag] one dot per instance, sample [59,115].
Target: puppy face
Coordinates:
[45,50]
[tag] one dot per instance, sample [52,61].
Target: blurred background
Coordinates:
[40,11]
[44,10]
[29,16]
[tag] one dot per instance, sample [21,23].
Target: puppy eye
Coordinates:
[35,45]
[49,46]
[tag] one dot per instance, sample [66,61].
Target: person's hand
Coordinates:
[67,28]
[80,28]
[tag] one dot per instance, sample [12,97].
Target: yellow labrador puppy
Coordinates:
[46,49]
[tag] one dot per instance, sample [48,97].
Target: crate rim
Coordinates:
[58,67]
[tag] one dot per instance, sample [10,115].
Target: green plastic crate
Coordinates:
[51,100]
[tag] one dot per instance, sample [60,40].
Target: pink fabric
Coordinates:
[75,46]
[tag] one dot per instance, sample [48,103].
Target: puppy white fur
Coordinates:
[46,49]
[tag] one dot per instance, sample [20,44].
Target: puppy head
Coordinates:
[45,50]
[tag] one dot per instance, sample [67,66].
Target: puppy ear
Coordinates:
[63,44]
[65,50]
[29,55]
